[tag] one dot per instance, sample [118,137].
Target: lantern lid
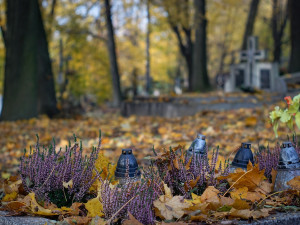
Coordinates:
[243,156]
[127,165]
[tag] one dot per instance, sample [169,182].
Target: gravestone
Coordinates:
[253,73]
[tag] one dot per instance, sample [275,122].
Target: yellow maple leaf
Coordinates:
[294,183]
[240,193]
[94,207]
[10,197]
[108,170]
[36,208]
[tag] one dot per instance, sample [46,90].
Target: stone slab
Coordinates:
[24,220]
[187,106]
[276,219]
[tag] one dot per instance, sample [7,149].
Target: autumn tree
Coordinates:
[294,9]
[250,22]
[117,94]
[200,80]
[28,83]
[279,21]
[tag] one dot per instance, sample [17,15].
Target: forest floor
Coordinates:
[226,129]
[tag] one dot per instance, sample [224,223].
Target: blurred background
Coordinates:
[68,66]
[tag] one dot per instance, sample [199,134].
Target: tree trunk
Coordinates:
[186,51]
[117,95]
[46,89]
[279,20]
[250,22]
[28,82]
[148,80]
[294,9]
[200,77]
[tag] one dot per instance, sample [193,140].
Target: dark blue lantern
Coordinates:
[127,166]
[243,156]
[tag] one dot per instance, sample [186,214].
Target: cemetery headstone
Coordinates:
[252,73]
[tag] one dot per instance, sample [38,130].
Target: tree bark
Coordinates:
[28,81]
[186,51]
[117,95]
[279,21]
[148,80]
[200,78]
[250,22]
[294,9]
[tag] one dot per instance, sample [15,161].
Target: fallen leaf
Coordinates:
[94,207]
[209,192]
[131,220]
[240,193]
[294,183]
[68,184]
[77,220]
[237,213]
[168,209]
[10,197]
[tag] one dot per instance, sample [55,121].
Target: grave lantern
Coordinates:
[198,147]
[288,166]
[242,157]
[127,167]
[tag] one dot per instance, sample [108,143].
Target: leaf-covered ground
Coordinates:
[224,128]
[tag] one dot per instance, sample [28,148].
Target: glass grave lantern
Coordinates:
[242,157]
[288,166]
[197,148]
[127,168]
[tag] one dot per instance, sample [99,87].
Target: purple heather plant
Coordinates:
[136,197]
[179,176]
[267,159]
[44,171]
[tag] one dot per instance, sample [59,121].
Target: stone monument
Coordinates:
[253,73]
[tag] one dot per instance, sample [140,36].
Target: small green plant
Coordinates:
[288,115]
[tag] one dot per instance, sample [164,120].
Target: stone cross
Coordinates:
[251,55]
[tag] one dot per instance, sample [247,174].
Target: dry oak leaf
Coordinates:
[131,220]
[294,183]
[237,213]
[250,179]
[240,204]
[170,208]
[15,206]
[94,207]
[35,208]
[257,214]
[209,193]
[77,220]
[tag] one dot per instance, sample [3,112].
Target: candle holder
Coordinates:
[242,157]
[288,166]
[127,168]
[197,148]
